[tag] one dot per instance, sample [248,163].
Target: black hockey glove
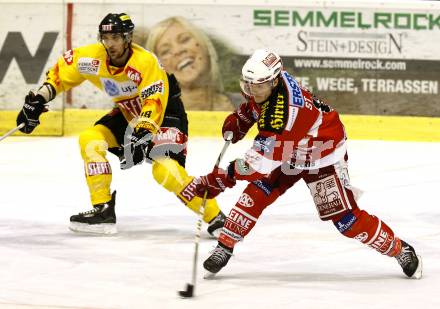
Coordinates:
[34,106]
[136,149]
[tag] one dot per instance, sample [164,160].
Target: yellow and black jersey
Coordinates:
[141,87]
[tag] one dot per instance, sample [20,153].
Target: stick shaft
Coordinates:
[201,213]
[12,131]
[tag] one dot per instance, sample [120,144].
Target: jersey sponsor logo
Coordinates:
[88,66]
[168,141]
[362,237]
[277,117]
[327,197]
[229,238]
[273,115]
[68,57]
[345,223]
[238,223]
[116,89]
[128,88]
[263,186]
[156,87]
[245,200]
[382,242]
[98,168]
[169,136]
[294,90]
[240,218]
[263,114]
[188,193]
[111,87]
[131,106]
[133,75]
[264,144]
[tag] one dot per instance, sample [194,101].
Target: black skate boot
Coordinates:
[216,225]
[410,262]
[218,259]
[100,220]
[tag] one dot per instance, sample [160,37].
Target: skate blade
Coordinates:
[419,270]
[209,275]
[98,229]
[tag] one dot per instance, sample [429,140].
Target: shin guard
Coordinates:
[244,215]
[94,143]
[369,230]
[173,177]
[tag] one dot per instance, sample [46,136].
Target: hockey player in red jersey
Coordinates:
[299,137]
[148,121]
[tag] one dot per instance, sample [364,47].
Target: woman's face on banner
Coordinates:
[182,55]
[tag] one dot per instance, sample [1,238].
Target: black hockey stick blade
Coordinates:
[189,292]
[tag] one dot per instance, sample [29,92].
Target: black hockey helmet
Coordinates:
[116,23]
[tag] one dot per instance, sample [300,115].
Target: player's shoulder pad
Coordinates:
[92,51]
[292,89]
[144,59]
[95,50]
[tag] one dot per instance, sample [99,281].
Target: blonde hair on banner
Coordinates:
[159,29]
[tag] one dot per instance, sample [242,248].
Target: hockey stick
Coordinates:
[189,291]
[10,132]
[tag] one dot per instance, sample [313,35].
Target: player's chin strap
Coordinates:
[189,292]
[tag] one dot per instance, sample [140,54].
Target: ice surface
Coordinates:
[290,260]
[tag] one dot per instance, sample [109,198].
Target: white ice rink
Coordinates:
[290,260]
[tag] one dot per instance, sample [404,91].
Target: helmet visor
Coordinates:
[256,89]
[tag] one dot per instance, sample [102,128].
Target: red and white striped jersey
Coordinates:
[294,129]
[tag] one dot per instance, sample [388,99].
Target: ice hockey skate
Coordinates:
[218,259]
[216,225]
[100,220]
[410,262]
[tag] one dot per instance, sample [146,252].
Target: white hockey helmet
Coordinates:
[264,65]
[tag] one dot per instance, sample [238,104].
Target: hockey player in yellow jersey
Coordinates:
[148,122]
